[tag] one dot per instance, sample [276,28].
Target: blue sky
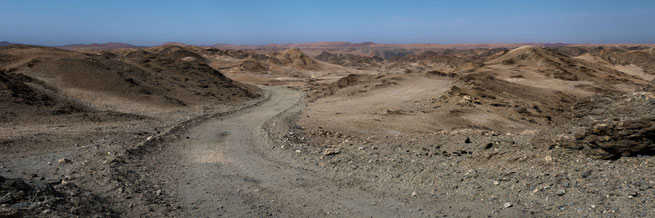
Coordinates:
[49,22]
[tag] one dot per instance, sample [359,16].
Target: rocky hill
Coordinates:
[350,60]
[167,76]
[296,58]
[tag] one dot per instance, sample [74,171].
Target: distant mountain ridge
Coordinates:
[377,45]
[323,45]
[109,45]
[408,46]
[5,43]
[341,44]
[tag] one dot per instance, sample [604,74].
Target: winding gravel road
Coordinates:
[226,171]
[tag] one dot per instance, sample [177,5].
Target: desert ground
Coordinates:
[327,130]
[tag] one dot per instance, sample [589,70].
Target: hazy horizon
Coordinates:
[292,43]
[150,23]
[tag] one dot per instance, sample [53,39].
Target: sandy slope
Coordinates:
[377,106]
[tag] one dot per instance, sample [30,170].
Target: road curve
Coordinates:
[225,171]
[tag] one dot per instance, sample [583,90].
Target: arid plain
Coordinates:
[327,129]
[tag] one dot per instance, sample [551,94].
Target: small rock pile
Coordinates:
[33,197]
[610,127]
[619,138]
[17,194]
[650,87]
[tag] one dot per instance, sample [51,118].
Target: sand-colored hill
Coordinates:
[532,106]
[23,97]
[351,84]
[162,76]
[527,60]
[290,60]
[350,60]
[296,58]
[253,65]
[447,60]
[497,89]
[643,57]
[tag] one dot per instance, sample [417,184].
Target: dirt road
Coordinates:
[226,171]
